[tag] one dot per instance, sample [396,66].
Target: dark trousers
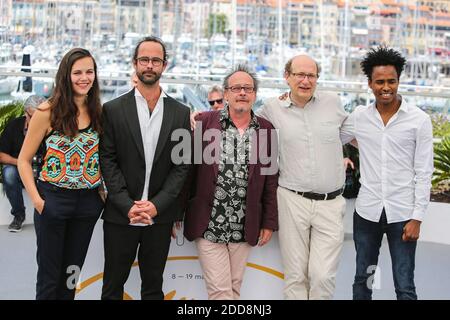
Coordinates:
[367,236]
[63,232]
[121,243]
[13,189]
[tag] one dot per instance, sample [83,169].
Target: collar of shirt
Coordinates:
[225,120]
[137,94]
[404,106]
[287,103]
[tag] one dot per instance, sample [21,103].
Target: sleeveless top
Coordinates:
[72,163]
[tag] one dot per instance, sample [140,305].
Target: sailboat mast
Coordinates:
[233,32]
[345,42]
[322,54]
[280,38]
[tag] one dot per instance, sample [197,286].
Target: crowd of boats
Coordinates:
[193,67]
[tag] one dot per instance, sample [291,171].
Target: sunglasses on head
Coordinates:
[211,102]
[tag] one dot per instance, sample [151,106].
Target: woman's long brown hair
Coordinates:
[64,112]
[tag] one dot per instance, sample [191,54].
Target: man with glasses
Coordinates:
[11,142]
[142,180]
[233,203]
[215,98]
[312,175]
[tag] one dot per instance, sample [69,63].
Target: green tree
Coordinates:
[217,24]
[9,112]
[442,161]
[441,125]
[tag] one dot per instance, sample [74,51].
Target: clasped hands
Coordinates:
[143,211]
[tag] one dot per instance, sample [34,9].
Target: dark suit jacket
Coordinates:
[261,203]
[122,160]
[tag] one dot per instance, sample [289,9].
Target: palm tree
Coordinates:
[9,112]
[442,161]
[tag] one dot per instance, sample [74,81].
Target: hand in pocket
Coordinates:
[40,206]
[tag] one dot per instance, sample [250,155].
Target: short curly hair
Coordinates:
[382,56]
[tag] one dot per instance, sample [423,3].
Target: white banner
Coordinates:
[183,278]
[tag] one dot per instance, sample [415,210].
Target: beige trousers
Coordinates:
[223,267]
[311,236]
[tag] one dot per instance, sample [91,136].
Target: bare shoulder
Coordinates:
[41,116]
[43,110]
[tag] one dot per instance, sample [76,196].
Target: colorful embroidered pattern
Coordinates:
[72,163]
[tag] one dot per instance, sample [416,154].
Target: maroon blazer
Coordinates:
[261,203]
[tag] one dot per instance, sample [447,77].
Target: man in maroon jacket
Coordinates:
[233,202]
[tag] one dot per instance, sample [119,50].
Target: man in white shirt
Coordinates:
[396,154]
[312,175]
[142,180]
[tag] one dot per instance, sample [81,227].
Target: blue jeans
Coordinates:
[367,236]
[13,189]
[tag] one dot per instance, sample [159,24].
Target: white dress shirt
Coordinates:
[310,147]
[150,128]
[396,162]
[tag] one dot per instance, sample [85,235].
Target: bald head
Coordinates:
[301,74]
[301,59]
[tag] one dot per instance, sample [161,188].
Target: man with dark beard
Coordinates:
[142,181]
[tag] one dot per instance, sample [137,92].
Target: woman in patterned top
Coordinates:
[66,199]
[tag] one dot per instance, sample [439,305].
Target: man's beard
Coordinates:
[149,81]
[240,110]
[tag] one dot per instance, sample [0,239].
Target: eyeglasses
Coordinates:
[144,61]
[302,76]
[238,89]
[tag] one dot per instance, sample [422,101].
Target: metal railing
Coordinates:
[265,82]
